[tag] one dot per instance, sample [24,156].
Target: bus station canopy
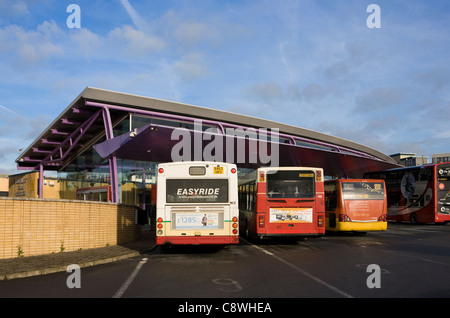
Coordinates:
[89,121]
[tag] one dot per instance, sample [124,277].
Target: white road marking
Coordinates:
[130,279]
[298,269]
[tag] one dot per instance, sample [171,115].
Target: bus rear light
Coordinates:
[233,170]
[235,225]
[344,218]
[320,220]
[161,170]
[261,221]
[319,175]
[261,176]
[159,220]
[382,218]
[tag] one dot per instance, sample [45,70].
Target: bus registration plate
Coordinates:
[218,170]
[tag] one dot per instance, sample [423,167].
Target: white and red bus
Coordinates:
[419,194]
[284,201]
[355,205]
[197,203]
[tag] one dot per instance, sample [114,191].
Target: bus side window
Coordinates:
[241,197]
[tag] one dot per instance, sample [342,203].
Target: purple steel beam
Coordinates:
[113,160]
[57,132]
[49,142]
[76,110]
[222,126]
[80,131]
[69,122]
[41,181]
[37,150]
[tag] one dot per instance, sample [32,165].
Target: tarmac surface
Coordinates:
[20,267]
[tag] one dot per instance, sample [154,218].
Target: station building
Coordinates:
[105,145]
[104,149]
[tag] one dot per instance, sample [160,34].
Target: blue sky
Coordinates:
[312,64]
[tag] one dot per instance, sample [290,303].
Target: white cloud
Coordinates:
[191,67]
[32,47]
[16,8]
[8,111]
[88,43]
[135,42]
[192,33]
[138,21]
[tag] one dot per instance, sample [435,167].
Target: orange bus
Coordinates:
[419,194]
[284,201]
[357,205]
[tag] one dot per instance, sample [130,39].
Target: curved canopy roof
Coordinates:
[94,112]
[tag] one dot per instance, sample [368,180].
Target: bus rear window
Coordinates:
[196,190]
[363,190]
[291,184]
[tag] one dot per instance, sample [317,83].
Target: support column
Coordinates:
[114,179]
[41,181]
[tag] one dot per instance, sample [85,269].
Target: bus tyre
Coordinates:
[414,219]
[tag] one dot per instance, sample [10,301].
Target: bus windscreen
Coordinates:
[196,190]
[363,191]
[291,184]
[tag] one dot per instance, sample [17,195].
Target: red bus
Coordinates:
[419,194]
[284,201]
[355,205]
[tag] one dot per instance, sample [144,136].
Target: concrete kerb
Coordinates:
[50,269]
[63,268]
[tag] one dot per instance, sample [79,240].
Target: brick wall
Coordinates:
[44,226]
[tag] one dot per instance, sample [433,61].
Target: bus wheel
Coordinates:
[414,219]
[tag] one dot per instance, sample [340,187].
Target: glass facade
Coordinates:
[87,177]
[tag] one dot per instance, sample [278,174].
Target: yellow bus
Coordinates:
[357,205]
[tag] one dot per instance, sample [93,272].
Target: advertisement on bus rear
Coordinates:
[291,215]
[191,221]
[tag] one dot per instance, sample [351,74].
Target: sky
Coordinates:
[319,65]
